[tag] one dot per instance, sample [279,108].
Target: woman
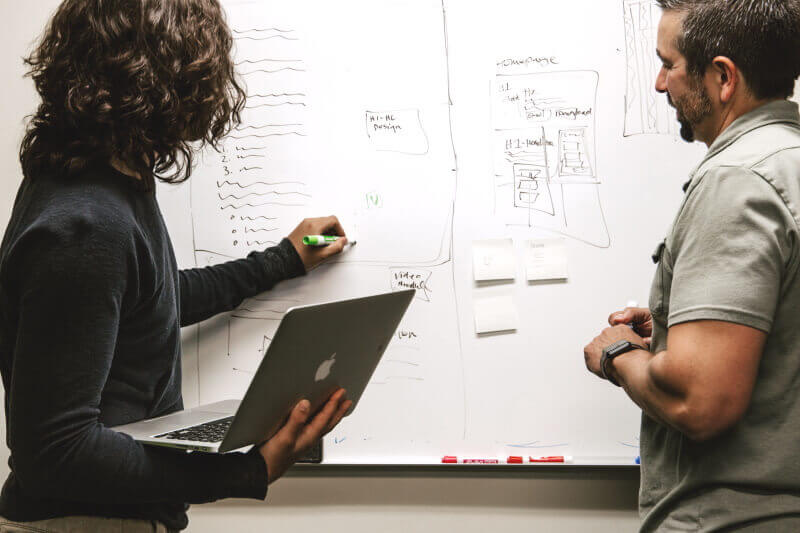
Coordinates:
[91,299]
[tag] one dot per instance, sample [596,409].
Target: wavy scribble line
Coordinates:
[274,95]
[261,243]
[256,62]
[273,71]
[281,204]
[261,30]
[256,218]
[266,38]
[275,105]
[385,382]
[265,126]
[402,362]
[268,135]
[253,184]
[256,230]
[267,193]
[249,148]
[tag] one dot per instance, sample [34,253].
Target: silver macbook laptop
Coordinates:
[316,350]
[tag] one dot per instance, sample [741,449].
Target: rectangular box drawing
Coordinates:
[573,157]
[532,189]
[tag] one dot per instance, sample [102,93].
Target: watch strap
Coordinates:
[606,357]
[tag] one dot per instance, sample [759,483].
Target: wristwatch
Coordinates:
[615,350]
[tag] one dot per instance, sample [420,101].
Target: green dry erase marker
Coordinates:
[320,240]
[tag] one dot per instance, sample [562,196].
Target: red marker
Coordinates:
[552,459]
[514,460]
[450,459]
[481,461]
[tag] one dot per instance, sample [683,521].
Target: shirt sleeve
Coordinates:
[72,285]
[205,292]
[732,246]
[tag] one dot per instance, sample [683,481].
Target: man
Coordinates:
[91,300]
[720,385]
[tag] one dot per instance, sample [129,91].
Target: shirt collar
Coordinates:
[770,113]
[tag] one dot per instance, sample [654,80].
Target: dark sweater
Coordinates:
[91,306]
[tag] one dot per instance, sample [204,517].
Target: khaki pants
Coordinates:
[81,524]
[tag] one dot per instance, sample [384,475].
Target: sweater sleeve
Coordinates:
[205,292]
[72,285]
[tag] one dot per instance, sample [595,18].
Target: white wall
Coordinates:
[342,500]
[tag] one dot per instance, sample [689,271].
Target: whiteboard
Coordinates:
[426,125]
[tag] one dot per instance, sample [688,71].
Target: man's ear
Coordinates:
[725,76]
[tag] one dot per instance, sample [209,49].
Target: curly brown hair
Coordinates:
[139,81]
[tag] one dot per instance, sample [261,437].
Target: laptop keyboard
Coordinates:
[213,431]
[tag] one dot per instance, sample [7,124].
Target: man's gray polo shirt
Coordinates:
[732,255]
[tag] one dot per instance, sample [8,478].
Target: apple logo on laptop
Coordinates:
[324,369]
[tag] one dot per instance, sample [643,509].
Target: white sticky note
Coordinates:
[495,313]
[493,259]
[546,259]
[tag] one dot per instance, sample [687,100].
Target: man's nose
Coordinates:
[661,81]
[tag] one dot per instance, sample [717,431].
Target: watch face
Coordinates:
[617,348]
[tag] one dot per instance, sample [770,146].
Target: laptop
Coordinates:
[316,350]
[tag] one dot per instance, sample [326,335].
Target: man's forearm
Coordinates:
[642,376]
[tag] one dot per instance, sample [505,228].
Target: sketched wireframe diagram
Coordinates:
[544,134]
[646,111]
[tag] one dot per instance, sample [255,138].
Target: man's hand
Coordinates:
[638,317]
[594,350]
[314,255]
[296,436]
